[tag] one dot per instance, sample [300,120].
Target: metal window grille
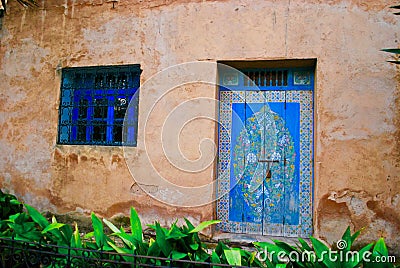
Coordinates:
[99,105]
[266,78]
[299,78]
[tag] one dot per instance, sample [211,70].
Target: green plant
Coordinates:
[395,51]
[343,256]
[132,241]
[223,254]
[180,243]
[379,257]
[318,254]
[177,243]
[9,205]
[174,242]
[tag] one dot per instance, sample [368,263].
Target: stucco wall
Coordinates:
[356,101]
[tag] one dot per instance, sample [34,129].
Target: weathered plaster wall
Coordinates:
[357,116]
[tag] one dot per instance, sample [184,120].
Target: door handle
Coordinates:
[268,161]
[269,174]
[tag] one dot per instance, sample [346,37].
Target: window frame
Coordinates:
[79,116]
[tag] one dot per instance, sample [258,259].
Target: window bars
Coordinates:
[99,105]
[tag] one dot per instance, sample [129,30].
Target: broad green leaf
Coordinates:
[37,217]
[323,252]
[267,249]
[88,235]
[392,50]
[380,247]
[13,218]
[15,202]
[76,238]
[251,258]
[366,248]
[57,229]
[194,246]
[30,236]
[98,230]
[162,241]
[154,249]
[233,256]
[24,227]
[189,224]
[202,256]
[111,226]
[127,239]
[178,255]
[215,258]
[355,235]
[289,250]
[254,261]
[357,258]
[281,265]
[304,244]
[136,226]
[347,239]
[220,248]
[175,233]
[52,226]
[203,225]
[152,226]
[122,251]
[118,249]
[66,232]
[285,246]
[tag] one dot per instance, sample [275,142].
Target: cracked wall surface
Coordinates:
[357,113]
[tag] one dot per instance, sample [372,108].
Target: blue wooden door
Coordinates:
[265,158]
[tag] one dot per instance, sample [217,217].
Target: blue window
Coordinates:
[99,105]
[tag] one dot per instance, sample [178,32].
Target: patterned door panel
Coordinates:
[274,125]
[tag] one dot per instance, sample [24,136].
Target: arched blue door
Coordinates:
[266,153]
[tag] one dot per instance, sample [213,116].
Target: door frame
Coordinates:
[231,90]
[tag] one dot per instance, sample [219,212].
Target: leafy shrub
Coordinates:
[177,243]
[9,205]
[318,254]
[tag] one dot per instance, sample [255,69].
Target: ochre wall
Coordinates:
[356,102]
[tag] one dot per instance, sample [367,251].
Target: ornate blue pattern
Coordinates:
[240,182]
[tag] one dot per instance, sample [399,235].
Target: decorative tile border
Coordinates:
[305,99]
